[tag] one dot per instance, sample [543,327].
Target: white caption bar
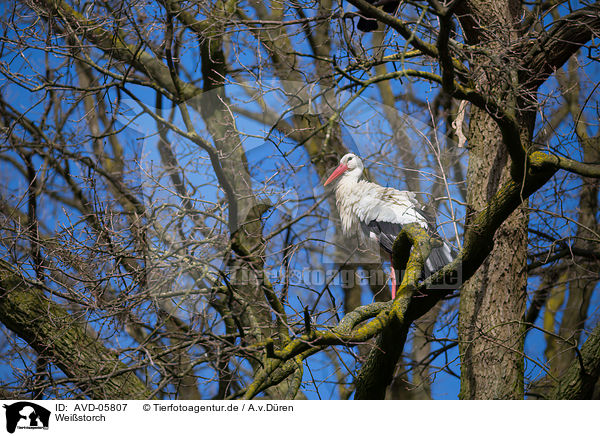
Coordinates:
[289,418]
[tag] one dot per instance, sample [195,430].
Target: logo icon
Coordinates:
[26,415]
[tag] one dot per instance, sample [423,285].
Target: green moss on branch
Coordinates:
[59,338]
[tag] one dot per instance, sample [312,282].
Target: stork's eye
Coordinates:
[350,158]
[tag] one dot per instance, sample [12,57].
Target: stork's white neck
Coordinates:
[347,198]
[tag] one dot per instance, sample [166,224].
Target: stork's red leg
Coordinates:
[393,274]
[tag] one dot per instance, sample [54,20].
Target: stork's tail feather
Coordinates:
[438,258]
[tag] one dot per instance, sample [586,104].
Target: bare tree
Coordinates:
[165,233]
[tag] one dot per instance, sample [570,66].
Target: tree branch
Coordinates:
[552,50]
[57,336]
[579,380]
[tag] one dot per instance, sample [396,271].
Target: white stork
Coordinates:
[381,212]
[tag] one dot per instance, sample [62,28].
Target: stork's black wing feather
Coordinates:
[438,258]
[385,232]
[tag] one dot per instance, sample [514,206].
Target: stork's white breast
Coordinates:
[366,202]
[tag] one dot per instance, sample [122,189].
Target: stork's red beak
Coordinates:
[338,172]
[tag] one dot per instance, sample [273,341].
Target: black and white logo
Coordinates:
[26,415]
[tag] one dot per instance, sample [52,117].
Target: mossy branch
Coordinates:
[583,374]
[59,338]
[378,371]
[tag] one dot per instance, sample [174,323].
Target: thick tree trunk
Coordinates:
[493,301]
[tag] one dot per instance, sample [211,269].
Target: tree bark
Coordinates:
[580,378]
[492,303]
[59,338]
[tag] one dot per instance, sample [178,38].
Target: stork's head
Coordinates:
[350,167]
